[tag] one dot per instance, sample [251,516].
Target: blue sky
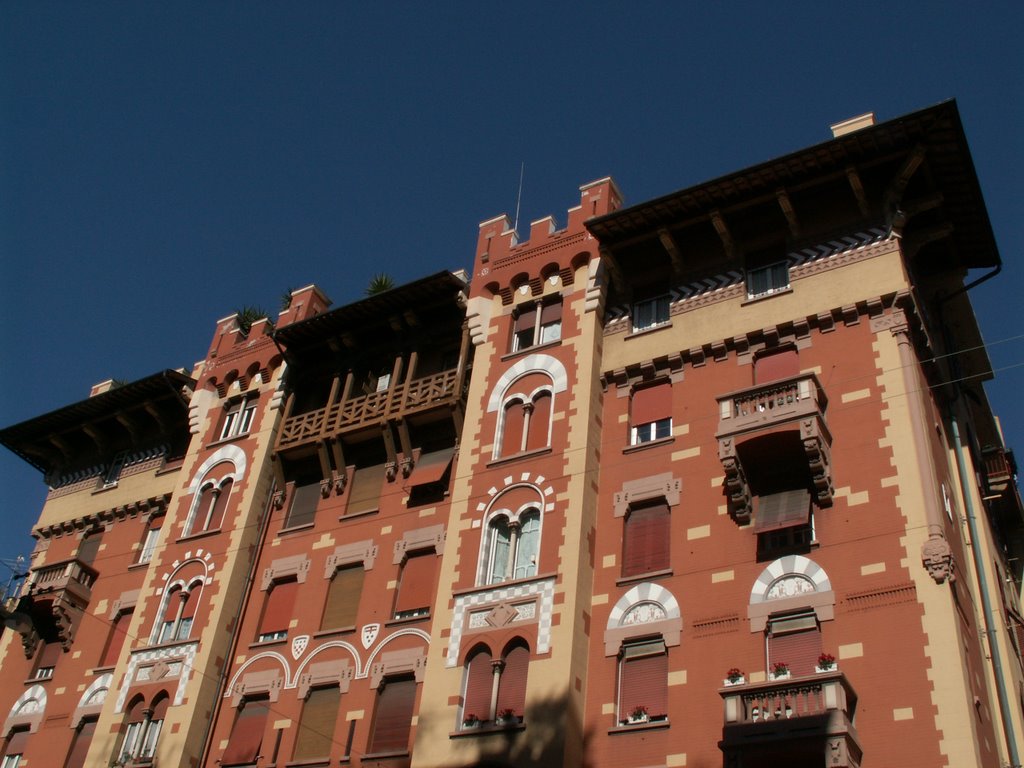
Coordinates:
[164,163]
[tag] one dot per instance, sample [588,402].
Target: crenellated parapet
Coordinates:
[505,265]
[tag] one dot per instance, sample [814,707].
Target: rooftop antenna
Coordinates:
[519,196]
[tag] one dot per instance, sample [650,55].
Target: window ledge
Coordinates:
[652,329]
[38,680]
[482,730]
[140,566]
[322,762]
[357,515]
[268,643]
[502,584]
[384,755]
[226,440]
[634,727]
[200,535]
[529,350]
[408,620]
[295,528]
[764,296]
[102,670]
[649,444]
[521,455]
[336,631]
[659,574]
[166,644]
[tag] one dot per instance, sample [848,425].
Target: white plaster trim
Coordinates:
[34,693]
[101,682]
[229,453]
[648,592]
[185,653]
[785,566]
[529,364]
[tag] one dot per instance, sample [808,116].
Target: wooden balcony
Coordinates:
[355,413]
[1000,468]
[810,716]
[795,405]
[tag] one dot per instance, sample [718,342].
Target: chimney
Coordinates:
[852,124]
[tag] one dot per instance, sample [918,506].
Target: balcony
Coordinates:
[55,600]
[72,577]
[355,413]
[807,720]
[1000,468]
[783,414]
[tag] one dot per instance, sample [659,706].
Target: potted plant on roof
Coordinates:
[780,670]
[734,677]
[826,663]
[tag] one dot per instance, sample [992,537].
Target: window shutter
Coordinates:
[512,428]
[219,505]
[416,591]
[343,595]
[479,683]
[540,421]
[551,313]
[364,495]
[188,610]
[646,540]
[118,633]
[643,680]
[316,727]
[392,722]
[304,501]
[431,467]
[526,320]
[782,510]
[512,684]
[277,613]
[780,365]
[17,743]
[80,747]
[50,654]
[173,602]
[651,404]
[797,642]
[247,733]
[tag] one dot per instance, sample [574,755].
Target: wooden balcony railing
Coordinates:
[999,466]
[821,706]
[373,408]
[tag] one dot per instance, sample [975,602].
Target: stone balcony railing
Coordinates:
[816,710]
[796,404]
[72,576]
[373,408]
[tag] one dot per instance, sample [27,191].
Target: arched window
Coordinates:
[511,546]
[495,689]
[210,501]
[143,731]
[524,422]
[179,613]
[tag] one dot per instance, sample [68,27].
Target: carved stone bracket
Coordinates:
[937,558]
[736,486]
[818,461]
[325,487]
[278,500]
[390,470]
[405,466]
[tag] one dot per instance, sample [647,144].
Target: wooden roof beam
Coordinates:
[723,234]
[674,253]
[858,191]
[787,209]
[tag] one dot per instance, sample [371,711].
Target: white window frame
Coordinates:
[775,277]
[11,761]
[541,333]
[651,313]
[516,565]
[149,543]
[238,418]
[651,431]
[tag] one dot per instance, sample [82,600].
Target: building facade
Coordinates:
[707,480]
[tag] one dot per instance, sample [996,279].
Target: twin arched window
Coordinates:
[524,423]
[211,501]
[144,724]
[495,689]
[511,546]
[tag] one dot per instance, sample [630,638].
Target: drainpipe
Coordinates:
[986,602]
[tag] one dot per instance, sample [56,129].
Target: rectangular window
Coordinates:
[343,595]
[645,540]
[304,501]
[80,745]
[15,749]
[651,413]
[392,717]
[150,539]
[364,490]
[277,611]
[316,726]
[238,418]
[416,588]
[48,658]
[764,281]
[536,324]
[795,641]
[643,681]
[650,313]
[247,733]
[115,641]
